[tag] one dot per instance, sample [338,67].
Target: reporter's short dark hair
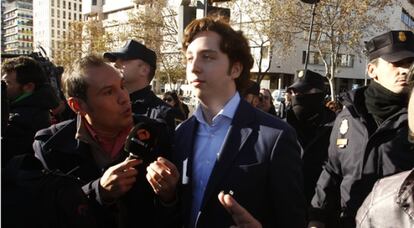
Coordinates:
[74,83]
[27,70]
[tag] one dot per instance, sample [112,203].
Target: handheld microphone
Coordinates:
[141,140]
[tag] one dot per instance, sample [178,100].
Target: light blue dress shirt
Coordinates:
[208,143]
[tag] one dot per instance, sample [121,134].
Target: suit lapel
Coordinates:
[236,137]
[188,144]
[186,152]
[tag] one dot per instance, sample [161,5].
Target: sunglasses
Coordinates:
[167,99]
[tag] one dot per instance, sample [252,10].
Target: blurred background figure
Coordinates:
[181,113]
[30,98]
[313,123]
[333,106]
[266,102]
[251,93]
[279,102]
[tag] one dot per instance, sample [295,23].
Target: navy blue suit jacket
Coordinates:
[260,162]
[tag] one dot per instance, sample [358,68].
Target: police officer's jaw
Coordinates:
[392,76]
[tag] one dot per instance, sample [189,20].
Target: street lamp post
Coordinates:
[313,2]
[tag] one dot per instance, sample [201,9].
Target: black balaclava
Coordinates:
[308,107]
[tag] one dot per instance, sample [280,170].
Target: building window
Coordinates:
[344,60]
[53,23]
[64,24]
[74,6]
[64,14]
[69,5]
[58,3]
[407,19]
[64,4]
[53,33]
[52,12]
[69,16]
[52,2]
[94,2]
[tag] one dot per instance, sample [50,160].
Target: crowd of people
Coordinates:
[132,159]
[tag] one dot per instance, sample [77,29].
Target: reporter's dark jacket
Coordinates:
[360,153]
[26,117]
[58,148]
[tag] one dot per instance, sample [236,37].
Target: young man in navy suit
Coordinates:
[227,145]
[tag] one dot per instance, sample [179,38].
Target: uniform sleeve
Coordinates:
[327,191]
[287,181]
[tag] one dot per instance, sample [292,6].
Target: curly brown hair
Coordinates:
[233,43]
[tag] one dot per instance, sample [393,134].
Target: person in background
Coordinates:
[369,137]
[228,142]
[30,99]
[266,102]
[334,106]
[391,201]
[313,123]
[251,93]
[172,99]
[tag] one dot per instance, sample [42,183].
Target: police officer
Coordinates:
[138,63]
[313,123]
[369,137]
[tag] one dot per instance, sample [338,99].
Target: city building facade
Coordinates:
[17,27]
[52,20]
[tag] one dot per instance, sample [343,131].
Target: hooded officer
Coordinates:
[313,123]
[369,137]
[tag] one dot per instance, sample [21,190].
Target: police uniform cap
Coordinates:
[133,50]
[308,80]
[392,46]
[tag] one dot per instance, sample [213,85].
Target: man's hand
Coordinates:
[118,179]
[241,217]
[163,176]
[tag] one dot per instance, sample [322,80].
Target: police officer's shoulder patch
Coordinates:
[341,142]
[343,129]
